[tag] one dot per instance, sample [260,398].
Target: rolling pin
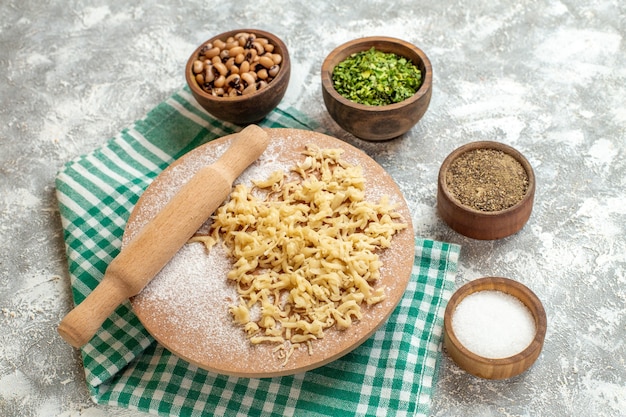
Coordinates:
[159,240]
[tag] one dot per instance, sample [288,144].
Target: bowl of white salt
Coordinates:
[494,327]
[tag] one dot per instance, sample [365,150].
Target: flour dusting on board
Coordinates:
[184,281]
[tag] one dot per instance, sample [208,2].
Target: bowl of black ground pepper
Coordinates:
[485,190]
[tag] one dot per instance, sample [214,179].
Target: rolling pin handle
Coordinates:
[82,323]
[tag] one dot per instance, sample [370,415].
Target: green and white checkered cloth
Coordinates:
[392,373]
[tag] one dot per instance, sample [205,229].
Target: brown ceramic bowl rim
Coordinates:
[530,190]
[499,284]
[274,40]
[338,54]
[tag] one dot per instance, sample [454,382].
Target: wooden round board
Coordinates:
[185,307]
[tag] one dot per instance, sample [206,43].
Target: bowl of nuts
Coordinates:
[377,88]
[239,76]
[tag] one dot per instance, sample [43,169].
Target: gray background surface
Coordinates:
[545,76]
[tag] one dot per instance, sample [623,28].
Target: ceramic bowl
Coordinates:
[377,122]
[249,108]
[501,368]
[478,224]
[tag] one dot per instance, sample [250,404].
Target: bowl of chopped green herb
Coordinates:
[377,88]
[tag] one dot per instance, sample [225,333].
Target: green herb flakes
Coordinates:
[376,78]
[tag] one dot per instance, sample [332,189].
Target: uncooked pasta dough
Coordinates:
[305,246]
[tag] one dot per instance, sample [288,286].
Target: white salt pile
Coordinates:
[493,324]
